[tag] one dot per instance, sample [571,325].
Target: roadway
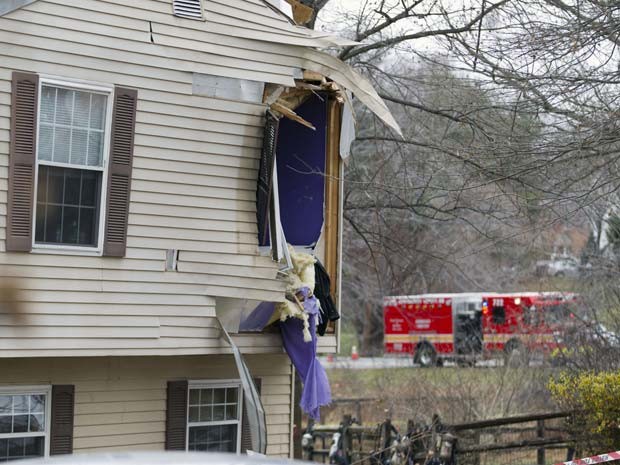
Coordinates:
[365,363]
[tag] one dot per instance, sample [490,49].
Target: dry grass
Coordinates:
[456,394]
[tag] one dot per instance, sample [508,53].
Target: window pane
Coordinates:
[73,179]
[6,404]
[194,396]
[20,404]
[15,419]
[88,226]
[194,414]
[231,412]
[206,413]
[42,185]
[20,424]
[21,448]
[34,447]
[90,188]
[55,184]
[52,230]
[219,396]
[64,106]
[71,128]
[36,423]
[219,413]
[70,218]
[68,214]
[48,104]
[197,439]
[206,396]
[79,146]
[95,148]
[97,111]
[46,142]
[81,111]
[6,422]
[37,403]
[231,395]
[62,145]
[39,232]
[221,438]
[16,448]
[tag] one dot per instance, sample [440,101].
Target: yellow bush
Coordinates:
[595,397]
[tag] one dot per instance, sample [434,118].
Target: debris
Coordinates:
[276,106]
[302,14]
[299,316]
[314,76]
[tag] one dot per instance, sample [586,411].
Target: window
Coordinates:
[214,417]
[71,161]
[499,315]
[24,424]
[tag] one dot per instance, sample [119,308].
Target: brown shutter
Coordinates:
[176,415]
[246,433]
[119,178]
[61,434]
[22,154]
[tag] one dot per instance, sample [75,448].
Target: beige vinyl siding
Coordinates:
[193,184]
[120,403]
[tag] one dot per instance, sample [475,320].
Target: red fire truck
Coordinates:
[466,327]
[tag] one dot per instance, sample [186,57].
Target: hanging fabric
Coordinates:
[316,391]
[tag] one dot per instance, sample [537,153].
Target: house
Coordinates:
[131,142]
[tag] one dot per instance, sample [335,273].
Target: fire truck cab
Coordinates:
[527,321]
[465,327]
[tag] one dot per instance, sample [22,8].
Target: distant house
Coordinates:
[131,141]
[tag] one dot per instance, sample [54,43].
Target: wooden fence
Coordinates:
[538,438]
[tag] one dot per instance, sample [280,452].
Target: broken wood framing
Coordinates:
[332,193]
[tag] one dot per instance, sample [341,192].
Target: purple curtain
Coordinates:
[258,318]
[316,391]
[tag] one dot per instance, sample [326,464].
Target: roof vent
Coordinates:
[187,8]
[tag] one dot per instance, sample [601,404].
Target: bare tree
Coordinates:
[509,110]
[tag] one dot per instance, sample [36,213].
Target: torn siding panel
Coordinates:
[208,85]
[343,74]
[346,76]
[8,6]
[283,7]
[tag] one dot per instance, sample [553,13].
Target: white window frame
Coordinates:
[211,384]
[99,88]
[45,390]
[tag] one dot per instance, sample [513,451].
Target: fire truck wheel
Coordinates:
[425,355]
[515,353]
